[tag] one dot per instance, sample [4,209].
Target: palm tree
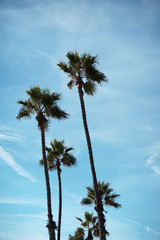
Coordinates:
[78,235]
[59,154]
[43,103]
[83,73]
[90,223]
[107,195]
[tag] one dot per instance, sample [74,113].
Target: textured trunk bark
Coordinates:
[51,225]
[60,202]
[99,206]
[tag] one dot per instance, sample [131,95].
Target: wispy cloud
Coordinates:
[7,157]
[151,129]
[152,161]
[131,221]
[19,201]
[72,196]
[48,56]
[147,228]
[156,169]
[9,134]
[9,137]
[37,216]
[150,230]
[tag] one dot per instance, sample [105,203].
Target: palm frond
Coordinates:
[89,88]
[110,200]
[79,219]
[64,67]
[68,160]
[93,74]
[84,224]
[56,112]
[90,193]
[51,166]
[41,162]
[89,60]
[88,217]
[49,99]
[73,57]
[35,95]
[26,109]
[86,201]
[23,103]
[71,83]
[23,113]
[67,150]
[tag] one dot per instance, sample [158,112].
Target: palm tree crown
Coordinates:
[58,152]
[107,195]
[78,235]
[83,72]
[89,221]
[43,103]
[90,224]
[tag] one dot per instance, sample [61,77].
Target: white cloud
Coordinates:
[17,168]
[131,221]
[51,59]
[151,129]
[152,161]
[37,216]
[16,201]
[9,137]
[72,196]
[150,230]
[9,134]
[156,169]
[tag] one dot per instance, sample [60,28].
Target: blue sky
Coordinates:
[123,116]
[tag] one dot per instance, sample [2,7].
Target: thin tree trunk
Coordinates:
[51,225]
[60,201]
[99,206]
[90,236]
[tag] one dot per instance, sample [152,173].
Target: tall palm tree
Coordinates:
[90,224]
[107,195]
[83,73]
[43,103]
[59,154]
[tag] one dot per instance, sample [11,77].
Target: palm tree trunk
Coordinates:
[99,206]
[60,201]
[90,236]
[51,225]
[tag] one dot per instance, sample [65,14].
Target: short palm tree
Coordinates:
[83,73]
[107,195]
[90,224]
[43,103]
[78,235]
[59,154]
